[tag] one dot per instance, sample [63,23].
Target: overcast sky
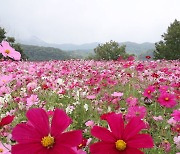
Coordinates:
[85,21]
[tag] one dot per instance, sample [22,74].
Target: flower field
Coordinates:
[131,96]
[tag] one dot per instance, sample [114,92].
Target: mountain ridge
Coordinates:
[131,47]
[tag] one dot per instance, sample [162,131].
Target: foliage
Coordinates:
[36,53]
[11,40]
[169,47]
[110,51]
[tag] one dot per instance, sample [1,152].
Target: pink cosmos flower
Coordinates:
[148,91]
[89,123]
[130,58]
[5,79]
[31,86]
[163,89]
[4,90]
[140,67]
[5,148]
[32,100]
[37,136]
[172,122]
[168,100]
[158,118]
[91,97]
[117,94]
[177,142]
[136,111]
[121,139]
[132,101]
[166,146]
[8,51]
[176,115]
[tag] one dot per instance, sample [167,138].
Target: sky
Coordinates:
[86,21]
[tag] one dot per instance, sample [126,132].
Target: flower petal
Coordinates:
[104,148]
[116,124]
[24,133]
[60,122]
[133,151]
[134,126]
[61,150]
[6,120]
[39,119]
[69,139]
[141,141]
[32,148]
[103,134]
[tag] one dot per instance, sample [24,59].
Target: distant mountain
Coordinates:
[131,47]
[37,53]
[136,48]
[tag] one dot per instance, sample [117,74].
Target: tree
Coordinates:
[2,34]
[110,51]
[169,47]
[11,40]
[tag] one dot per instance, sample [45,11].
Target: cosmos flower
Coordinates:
[136,111]
[177,142]
[176,115]
[148,91]
[8,51]
[5,148]
[121,139]
[132,101]
[38,136]
[167,100]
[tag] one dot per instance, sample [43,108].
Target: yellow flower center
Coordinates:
[120,145]
[80,145]
[149,91]
[1,150]
[47,141]
[166,99]
[7,51]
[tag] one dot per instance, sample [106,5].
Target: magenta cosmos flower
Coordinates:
[37,136]
[168,100]
[136,111]
[121,139]
[148,91]
[176,115]
[8,51]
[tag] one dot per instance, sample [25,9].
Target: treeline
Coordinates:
[37,53]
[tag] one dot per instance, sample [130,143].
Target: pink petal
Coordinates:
[134,126]
[60,122]
[16,55]
[104,148]
[39,119]
[141,141]
[103,134]
[69,139]
[5,44]
[24,133]
[61,150]
[32,148]
[6,120]
[116,124]
[133,151]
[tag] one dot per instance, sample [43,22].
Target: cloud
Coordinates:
[82,21]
